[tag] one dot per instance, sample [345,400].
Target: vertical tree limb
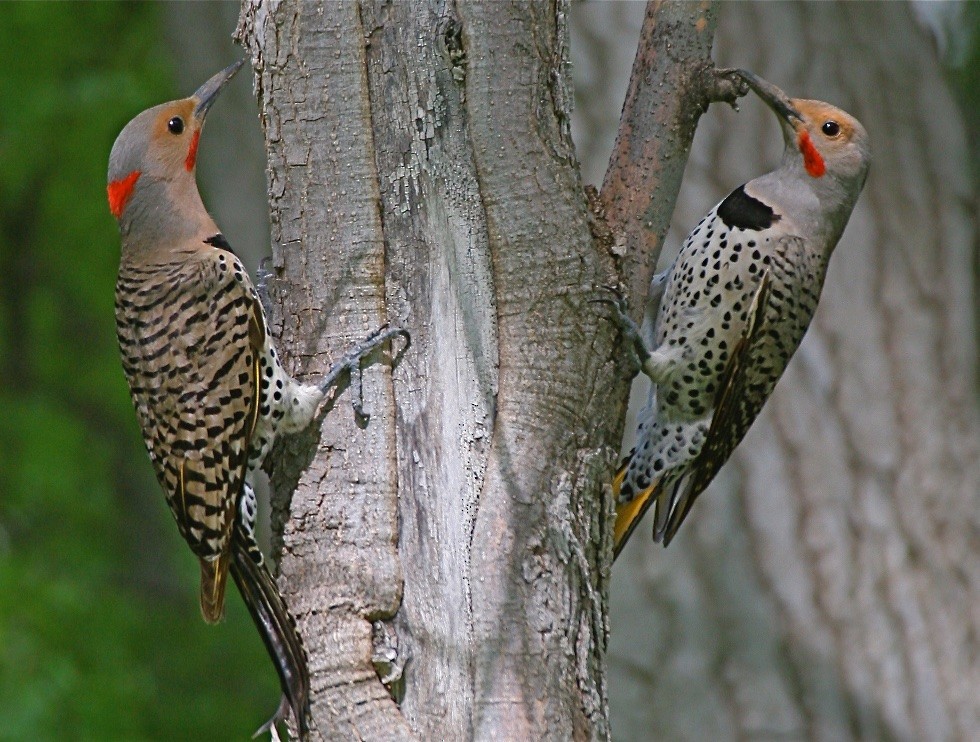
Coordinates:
[339,567]
[538,602]
[672,83]
[440,286]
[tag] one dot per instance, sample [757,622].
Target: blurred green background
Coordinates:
[100,632]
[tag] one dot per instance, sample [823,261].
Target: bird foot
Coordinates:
[636,348]
[281,714]
[351,364]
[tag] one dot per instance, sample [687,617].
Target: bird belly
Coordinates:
[285,405]
[701,318]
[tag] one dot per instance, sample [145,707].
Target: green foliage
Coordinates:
[100,633]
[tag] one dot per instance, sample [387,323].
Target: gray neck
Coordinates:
[816,208]
[163,215]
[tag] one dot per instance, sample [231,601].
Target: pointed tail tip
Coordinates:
[282,714]
[629,514]
[278,631]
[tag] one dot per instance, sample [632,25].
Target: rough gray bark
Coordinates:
[493,615]
[339,567]
[827,586]
[440,284]
[421,171]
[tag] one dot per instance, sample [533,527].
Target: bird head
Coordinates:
[822,138]
[159,147]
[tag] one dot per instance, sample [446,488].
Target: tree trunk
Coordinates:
[421,174]
[827,585]
[452,550]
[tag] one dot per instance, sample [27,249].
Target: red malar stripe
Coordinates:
[192,152]
[119,192]
[812,160]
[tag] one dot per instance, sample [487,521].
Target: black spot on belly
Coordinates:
[740,211]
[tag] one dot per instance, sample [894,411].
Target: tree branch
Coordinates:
[672,83]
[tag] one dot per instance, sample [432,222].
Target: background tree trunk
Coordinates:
[827,585]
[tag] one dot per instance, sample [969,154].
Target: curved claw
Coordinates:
[618,301]
[351,363]
[637,347]
[281,714]
[407,336]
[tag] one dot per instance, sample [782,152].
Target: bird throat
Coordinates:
[812,160]
[120,191]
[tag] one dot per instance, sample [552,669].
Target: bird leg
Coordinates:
[350,364]
[636,350]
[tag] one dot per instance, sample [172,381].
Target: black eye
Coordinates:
[831,128]
[176,125]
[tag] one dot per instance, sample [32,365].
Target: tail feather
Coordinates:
[277,628]
[663,517]
[673,494]
[629,514]
[685,492]
[214,577]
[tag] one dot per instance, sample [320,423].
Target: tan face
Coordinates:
[833,124]
[829,139]
[174,135]
[160,145]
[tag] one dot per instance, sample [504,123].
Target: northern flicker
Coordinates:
[209,389]
[733,308]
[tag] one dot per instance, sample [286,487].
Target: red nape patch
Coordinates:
[119,192]
[192,152]
[812,160]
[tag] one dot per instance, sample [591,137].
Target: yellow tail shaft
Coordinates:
[214,576]
[629,514]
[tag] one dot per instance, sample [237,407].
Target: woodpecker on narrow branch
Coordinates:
[210,392]
[733,309]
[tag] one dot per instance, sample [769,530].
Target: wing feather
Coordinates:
[781,310]
[190,333]
[733,412]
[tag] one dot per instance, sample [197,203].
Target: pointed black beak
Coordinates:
[773,97]
[209,91]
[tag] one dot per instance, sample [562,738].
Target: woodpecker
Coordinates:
[209,389]
[733,308]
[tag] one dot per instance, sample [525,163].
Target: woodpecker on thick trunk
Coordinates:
[210,392]
[733,309]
